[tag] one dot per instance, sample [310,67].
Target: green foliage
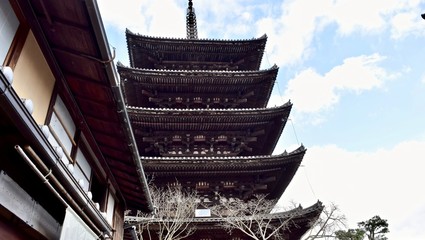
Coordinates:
[350,234]
[375,228]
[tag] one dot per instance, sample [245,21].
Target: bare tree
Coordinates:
[330,221]
[173,215]
[253,217]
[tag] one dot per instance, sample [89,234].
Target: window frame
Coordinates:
[19,39]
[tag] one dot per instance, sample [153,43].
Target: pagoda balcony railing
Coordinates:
[291,214]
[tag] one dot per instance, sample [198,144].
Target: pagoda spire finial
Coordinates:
[191,29]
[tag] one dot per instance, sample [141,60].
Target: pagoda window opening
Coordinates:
[222,138]
[202,185]
[197,100]
[228,184]
[175,184]
[177,138]
[199,138]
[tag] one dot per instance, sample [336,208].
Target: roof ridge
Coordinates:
[262,37]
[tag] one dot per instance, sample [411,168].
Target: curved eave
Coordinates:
[163,76]
[248,52]
[301,220]
[208,119]
[278,169]
[135,112]
[221,163]
[269,121]
[255,86]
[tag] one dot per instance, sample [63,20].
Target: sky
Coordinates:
[354,71]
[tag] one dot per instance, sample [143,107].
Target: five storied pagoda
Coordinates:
[198,112]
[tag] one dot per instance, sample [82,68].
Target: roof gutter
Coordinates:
[103,44]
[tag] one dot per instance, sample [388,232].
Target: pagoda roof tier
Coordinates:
[239,176]
[188,132]
[206,54]
[210,228]
[197,88]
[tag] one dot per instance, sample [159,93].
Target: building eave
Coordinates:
[114,83]
[85,75]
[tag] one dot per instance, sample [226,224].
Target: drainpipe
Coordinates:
[102,41]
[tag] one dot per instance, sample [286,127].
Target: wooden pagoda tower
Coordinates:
[198,112]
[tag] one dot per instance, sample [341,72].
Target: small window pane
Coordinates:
[82,163]
[8,26]
[64,114]
[61,133]
[81,178]
[110,209]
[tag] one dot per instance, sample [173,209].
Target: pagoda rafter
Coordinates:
[209,228]
[194,54]
[235,176]
[197,89]
[187,132]
[192,143]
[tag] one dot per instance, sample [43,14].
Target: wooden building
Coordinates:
[64,129]
[198,112]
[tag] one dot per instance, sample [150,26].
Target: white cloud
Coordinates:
[158,18]
[226,19]
[123,14]
[292,31]
[290,26]
[313,92]
[385,182]
[406,23]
